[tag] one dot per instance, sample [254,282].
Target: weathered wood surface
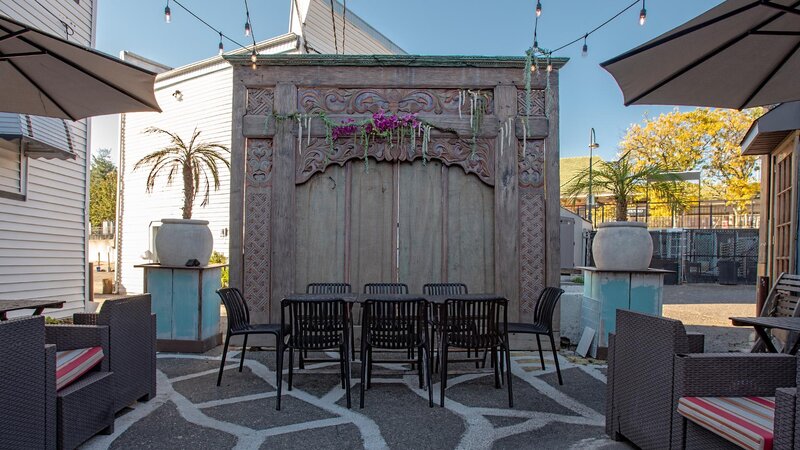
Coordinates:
[552,194]
[320,234]
[420,224]
[372,225]
[506,209]
[470,232]
[283,206]
[238,157]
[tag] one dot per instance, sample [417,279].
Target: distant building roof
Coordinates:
[570,167]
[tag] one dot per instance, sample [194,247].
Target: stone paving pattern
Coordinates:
[190,411]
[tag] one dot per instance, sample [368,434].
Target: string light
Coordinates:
[585,50]
[549,64]
[247,26]
[642,14]
[221,47]
[167,14]
[254,56]
[538,8]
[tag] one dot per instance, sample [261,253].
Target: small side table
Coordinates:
[186,305]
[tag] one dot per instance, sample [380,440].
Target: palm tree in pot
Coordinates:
[624,245]
[182,241]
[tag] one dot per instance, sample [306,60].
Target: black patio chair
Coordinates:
[331,288]
[472,324]
[441,289]
[542,324]
[316,325]
[395,325]
[239,325]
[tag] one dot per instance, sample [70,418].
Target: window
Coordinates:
[13,170]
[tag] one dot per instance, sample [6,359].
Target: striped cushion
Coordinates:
[71,364]
[744,421]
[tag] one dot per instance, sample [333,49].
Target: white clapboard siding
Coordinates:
[207,95]
[360,38]
[43,238]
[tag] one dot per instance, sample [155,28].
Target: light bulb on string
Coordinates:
[538,8]
[585,49]
[642,14]
[549,65]
[221,47]
[167,14]
[247,25]
[253,57]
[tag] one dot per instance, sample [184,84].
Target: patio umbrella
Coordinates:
[47,76]
[740,54]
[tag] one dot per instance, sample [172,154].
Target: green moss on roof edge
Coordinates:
[389,60]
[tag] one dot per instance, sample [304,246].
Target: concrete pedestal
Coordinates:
[604,292]
[186,305]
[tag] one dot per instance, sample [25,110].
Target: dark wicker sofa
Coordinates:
[653,362]
[132,346]
[32,413]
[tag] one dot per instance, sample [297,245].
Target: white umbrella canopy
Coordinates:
[44,75]
[740,54]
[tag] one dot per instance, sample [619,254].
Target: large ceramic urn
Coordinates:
[623,246]
[181,240]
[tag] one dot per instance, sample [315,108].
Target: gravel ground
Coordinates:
[706,308]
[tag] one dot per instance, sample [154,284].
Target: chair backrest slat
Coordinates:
[386,288]
[546,305]
[238,313]
[328,288]
[445,289]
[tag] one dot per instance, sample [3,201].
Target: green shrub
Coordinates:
[219,258]
[577,279]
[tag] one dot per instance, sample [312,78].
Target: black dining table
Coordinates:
[762,324]
[37,306]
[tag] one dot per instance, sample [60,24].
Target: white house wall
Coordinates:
[43,238]
[206,87]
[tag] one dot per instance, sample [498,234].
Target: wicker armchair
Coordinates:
[132,346]
[641,358]
[32,413]
[653,362]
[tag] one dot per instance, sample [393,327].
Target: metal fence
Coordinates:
[727,256]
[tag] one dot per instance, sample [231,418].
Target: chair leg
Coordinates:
[224,355]
[244,348]
[428,375]
[485,351]
[341,365]
[541,353]
[501,362]
[507,352]
[555,358]
[362,387]
[369,368]
[301,356]
[291,363]
[496,365]
[279,372]
[443,383]
[344,355]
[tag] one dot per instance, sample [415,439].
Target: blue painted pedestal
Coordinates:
[604,292]
[186,306]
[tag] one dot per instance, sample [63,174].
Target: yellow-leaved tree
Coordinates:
[703,139]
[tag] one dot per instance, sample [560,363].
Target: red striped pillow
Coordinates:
[744,421]
[71,364]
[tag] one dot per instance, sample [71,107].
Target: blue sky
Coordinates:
[589,95]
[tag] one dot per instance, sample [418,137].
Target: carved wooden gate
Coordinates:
[486,214]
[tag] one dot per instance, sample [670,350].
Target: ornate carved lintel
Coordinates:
[317,156]
[366,101]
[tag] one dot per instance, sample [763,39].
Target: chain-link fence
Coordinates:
[727,256]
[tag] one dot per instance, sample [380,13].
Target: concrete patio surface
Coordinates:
[190,411]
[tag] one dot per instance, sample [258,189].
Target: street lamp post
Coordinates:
[590,200]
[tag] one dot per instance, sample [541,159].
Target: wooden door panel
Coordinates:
[372,243]
[320,233]
[420,224]
[470,231]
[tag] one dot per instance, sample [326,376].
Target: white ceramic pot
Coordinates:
[622,246]
[179,240]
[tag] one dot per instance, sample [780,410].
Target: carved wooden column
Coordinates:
[506,207]
[283,213]
[238,157]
